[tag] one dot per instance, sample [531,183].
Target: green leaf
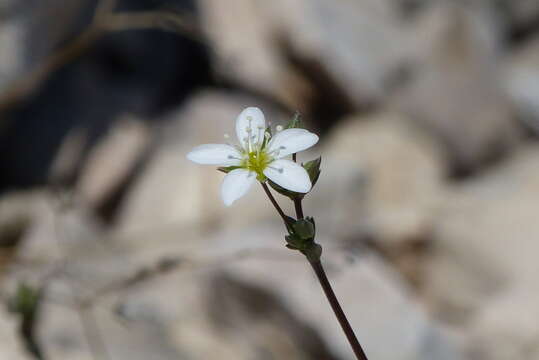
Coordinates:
[313,169]
[295,122]
[227,169]
[25,299]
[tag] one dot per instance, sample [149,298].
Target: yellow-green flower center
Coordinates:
[257,161]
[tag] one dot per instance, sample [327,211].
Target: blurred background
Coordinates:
[114,246]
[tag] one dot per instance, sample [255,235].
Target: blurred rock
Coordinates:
[10,344]
[102,173]
[246,295]
[113,163]
[506,327]
[522,13]
[237,293]
[305,53]
[17,210]
[11,58]
[484,240]
[522,82]
[333,35]
[455,93]
[379,305]
[382,179]
[253,59]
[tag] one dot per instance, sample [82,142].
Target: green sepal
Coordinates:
[313,169]
[304,229]
[295,122]
[293,242]
[313,252]
[227,169]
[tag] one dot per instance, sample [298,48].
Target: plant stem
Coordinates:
[324,281]
[299,208]
[339,313]
[328,290]
[274,202]
[297,202]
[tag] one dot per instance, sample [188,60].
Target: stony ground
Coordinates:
[427,206]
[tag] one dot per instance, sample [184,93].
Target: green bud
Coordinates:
[295,122]
[293,242]
[304,229]
[313,252]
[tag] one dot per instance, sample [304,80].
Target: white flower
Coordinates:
[260,156]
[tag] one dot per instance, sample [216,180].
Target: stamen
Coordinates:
[279,128]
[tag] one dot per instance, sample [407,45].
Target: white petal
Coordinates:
[291,141]
[215,154]
[289,175]
[236,184]
[251,118]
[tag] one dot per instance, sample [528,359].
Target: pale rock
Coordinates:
[11,346]
[484,239]
[334,34]
[247,49]
[379,305]
[381,178]
[243,294]
[522,82]
[506,327]
[285,47]
[113,161]
[456,92]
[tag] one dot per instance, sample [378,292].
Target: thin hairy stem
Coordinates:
[339,313]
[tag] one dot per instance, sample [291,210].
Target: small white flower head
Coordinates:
[259,156]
